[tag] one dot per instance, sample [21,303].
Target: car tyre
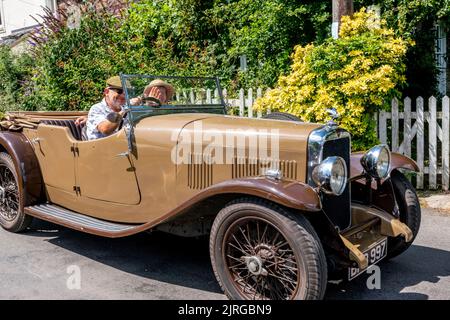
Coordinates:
[259,250]
[410,213]
[12,215]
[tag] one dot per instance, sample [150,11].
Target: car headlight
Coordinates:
[376,161]
[331,175]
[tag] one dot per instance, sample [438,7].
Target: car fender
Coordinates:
[397,161]
[289,193]
[26,164]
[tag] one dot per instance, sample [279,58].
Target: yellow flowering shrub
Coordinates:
[357,74]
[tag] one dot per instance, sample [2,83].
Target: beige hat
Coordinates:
[114,82]
[161,83]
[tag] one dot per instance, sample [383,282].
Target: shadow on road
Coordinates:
[185,262]
[158,256]
[419,265]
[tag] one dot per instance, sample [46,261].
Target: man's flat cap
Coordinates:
[114,82]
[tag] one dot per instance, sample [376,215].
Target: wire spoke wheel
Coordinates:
[260,260]
[260,251]
[12,215]
[9,194]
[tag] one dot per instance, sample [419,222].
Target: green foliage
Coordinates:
[195,37]
[178,37]
[415,20]
[265,32]
[15,71]
[358,74]
[150,37]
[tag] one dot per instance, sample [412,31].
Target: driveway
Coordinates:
[52,262]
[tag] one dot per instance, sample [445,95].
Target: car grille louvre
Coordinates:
[251,167]
[200,173]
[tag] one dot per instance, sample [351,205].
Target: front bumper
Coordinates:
[370,225]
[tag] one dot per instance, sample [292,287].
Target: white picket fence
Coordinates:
[427,131]
[422,134]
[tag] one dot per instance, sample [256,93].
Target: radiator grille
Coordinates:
[338,207]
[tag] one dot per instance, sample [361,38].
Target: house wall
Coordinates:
[16,14]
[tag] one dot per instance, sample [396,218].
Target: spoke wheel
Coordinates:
[259,251]
[260,260]
[12,216]
[9,194]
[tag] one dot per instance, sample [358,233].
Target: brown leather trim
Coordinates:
[26,163]
[49,114]
[291,194]
[397,161]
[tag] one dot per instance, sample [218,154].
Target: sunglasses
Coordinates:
[119,91]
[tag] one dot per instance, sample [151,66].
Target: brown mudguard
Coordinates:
[292,194]
[27,166]
[289,193]
[397,161]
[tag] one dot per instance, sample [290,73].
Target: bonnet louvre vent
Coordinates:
[200,173]
[250,167]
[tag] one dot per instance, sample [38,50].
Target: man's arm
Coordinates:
[111,123]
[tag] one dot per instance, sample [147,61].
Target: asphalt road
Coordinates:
[44,263]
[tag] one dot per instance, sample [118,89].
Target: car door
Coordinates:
[54,150]
[105,172]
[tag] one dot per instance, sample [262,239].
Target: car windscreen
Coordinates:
[148,95]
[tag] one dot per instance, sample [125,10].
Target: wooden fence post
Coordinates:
[241,102]
[432,143]
[225,95]
[250,103]
[394,124]
[420,141]
[208,96]
[259,95]
[382,131]
[445,143]
[407,138]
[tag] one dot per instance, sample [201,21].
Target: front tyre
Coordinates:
[410,214]
[261,251]
[12,216]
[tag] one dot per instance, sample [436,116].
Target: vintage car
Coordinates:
[286,204]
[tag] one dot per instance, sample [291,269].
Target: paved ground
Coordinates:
[40,263]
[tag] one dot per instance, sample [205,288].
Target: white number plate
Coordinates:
[374,254]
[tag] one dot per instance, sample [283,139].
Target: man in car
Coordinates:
[158,89]
[105,117]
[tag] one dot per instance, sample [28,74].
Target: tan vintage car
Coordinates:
[286,204]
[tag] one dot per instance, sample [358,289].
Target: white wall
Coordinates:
[16,14]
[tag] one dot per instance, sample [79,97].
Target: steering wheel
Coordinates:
[152,99]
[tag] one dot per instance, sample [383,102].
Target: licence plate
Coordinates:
[373,255]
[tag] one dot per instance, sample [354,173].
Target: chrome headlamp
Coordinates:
[331,175]
[376,161]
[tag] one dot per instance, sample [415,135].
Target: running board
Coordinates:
[81,222]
